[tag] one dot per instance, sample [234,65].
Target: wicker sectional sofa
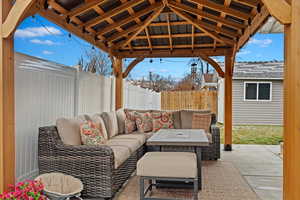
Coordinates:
[104,169]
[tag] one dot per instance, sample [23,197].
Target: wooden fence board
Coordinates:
[197,100]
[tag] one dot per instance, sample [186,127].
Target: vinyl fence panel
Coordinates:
[95,93]
[44,91]
[136,97]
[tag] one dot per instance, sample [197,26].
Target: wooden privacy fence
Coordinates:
[201,99]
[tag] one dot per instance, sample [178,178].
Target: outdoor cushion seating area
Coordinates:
[104,168]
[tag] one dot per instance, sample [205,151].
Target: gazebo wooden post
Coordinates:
[228,102]
[118,71]
[291,105]
[7,105]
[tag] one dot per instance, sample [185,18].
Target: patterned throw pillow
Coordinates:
[91,134]
[162,120]
[130,125]
[201,121]
[144,122]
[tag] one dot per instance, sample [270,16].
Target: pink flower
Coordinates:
[27,190]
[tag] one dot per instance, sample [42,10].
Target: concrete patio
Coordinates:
[261,166]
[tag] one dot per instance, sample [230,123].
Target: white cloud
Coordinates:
[47,52]
[37,32]
[244,52]
[262,43]
[44,42]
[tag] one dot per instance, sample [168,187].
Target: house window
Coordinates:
[257,91]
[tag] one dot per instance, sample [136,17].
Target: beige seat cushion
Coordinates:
[132,144]
[121,116]
[168,164]
[186,117]
[69,131]
[121,154]
[111,123]
[135,136]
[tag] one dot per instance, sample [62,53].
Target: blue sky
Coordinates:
[41,38]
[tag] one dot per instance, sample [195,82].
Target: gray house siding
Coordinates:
[258,112]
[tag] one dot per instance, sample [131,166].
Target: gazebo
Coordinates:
[160,28]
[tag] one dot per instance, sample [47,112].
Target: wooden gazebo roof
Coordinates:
[159,28]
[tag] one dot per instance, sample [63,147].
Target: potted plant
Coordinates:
[27,190]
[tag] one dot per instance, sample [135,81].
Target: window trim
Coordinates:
[257,90]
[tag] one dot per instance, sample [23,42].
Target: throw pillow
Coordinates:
[144,122]
[130,125]
[201,121]
[162,120]
[91,134]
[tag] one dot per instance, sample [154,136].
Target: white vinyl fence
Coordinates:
[139,98]
[46,91]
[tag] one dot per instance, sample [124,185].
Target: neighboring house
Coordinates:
[209,81]
[257,93]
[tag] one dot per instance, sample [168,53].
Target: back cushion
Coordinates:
[121,116]
[144,122]
[186,117]
[100,123]
[69,131]
[201,121]
[111,123]
[162,120]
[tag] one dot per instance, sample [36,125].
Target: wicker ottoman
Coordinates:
[171,166]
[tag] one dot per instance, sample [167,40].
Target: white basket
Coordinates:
[58,186]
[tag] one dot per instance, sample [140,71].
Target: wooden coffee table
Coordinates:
[179,140]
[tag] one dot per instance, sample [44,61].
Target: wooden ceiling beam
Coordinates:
[109,20]
[169,32]
[172,23]
[148,38]
[223,15]
[123,34]
[197,12]
[112,13]
[61,9]
[178,46]
[129,19]
[221,8]
[175,53]
[85,7]
[193,36]
[141,28]
[250,3]
[131,11]
[181,35]
[257,22]
[202,27]
[131,66]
